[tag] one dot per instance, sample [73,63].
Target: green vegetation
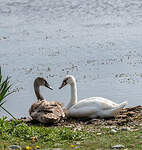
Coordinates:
[4,91]
[19,133]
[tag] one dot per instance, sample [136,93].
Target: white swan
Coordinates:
[92,107]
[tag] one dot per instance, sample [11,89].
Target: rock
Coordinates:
[14,147]
[70,127]
[113,131]
[78,142]
[34,139]
[132,145]
[125,129]
[118,147]
[53,149]
[122,122]
[25,119]
[131,113]
[110,122]
[122,116]
[116,129]
[78,128]
[94,119]
[99,133]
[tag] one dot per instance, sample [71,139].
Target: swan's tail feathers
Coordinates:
[122,105]
[116,110]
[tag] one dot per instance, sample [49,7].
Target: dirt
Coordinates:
[127,117]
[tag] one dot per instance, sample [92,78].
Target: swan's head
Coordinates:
[69,79]
[39,81]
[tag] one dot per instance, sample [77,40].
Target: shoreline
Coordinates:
[123,131]
[131,116]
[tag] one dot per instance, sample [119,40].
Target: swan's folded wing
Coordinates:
[45,111]
[96,103]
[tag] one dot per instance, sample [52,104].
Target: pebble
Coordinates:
[112,131]
[122,116]
[54,149]
[125,129]
[118,147]
[116,129]
[78,143]
[94,119]
[78,128]
[131,113]
[14,147]
[99,133]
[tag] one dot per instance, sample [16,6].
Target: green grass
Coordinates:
[131,140]
[19,133]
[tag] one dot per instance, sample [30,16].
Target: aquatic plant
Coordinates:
[4,92]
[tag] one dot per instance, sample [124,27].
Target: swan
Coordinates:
[93,107]
[42,110]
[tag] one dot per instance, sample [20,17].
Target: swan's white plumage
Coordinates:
[92,107]
[95,107]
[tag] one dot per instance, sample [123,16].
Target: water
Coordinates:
[97,41]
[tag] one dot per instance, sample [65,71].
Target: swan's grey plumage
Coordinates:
[92,107]
[45,111]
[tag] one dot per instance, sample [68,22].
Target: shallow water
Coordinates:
[99,42]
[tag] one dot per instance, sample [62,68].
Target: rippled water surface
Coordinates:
[97,41]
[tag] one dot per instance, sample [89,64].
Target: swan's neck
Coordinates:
[73,99]
[37,92]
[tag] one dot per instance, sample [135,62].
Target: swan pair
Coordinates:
[92,107]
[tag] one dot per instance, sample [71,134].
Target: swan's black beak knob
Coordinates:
[62,85]
[48,86]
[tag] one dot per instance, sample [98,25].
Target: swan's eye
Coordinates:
[44,82]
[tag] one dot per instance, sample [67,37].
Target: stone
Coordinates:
[125,129]
[131,113]
[113,131]
[99,133]
[14,147]
[118,147]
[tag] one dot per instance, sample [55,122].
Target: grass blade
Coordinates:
[8,112]
[4,92]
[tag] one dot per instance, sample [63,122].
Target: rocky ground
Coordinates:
[127,117]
